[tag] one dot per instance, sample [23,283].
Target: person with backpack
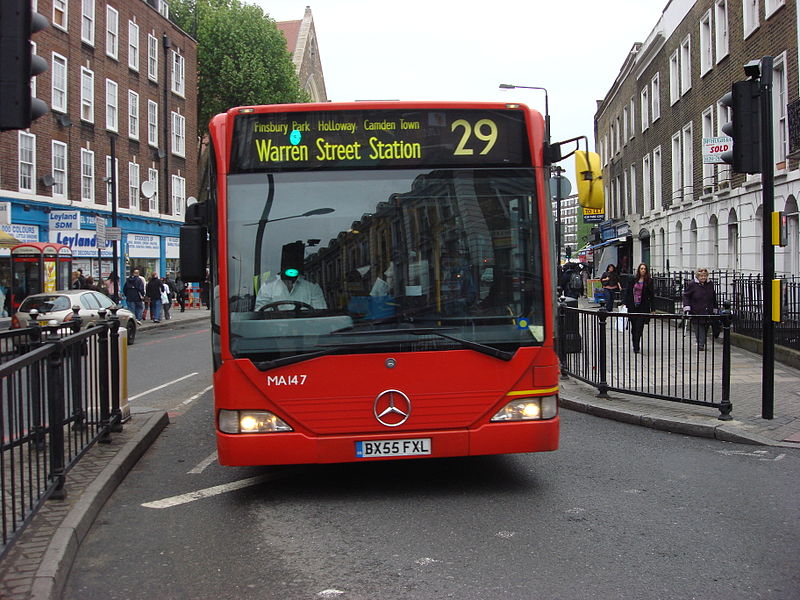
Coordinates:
[133,290]
[167,295]
[571,281]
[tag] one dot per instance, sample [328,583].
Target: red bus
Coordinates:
[382,279]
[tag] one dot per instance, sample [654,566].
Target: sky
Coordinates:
[463,50]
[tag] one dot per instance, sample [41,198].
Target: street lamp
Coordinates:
[511,86]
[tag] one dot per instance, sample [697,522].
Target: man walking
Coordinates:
[133,290]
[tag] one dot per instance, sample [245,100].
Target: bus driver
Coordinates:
[291,286]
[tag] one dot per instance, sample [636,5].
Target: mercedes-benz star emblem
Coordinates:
[392,408]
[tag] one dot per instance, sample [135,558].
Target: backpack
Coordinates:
[575,281]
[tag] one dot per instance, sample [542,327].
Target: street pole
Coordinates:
[768,250]
[115,268]
[558,171]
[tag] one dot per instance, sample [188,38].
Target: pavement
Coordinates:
[38,564]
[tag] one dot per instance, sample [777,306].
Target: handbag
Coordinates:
[621,322]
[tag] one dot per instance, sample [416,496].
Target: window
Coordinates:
[178,134]
[87,175]
[112,105]
[633,208]
[152,175]
[706,55]
[109,180]
[625,133]
[770,6]
[657,202]
[633,118]
[749,16]
[708,131]
[133,45]
[152,123]
[723,116]
[686,65]
[133,115]
[655,88]
[59,169]
[617,133]
[677,180]
[779,110]
[645,108]
[178,74]
[60,14]
[87,21]
[152,57]
[178,194]
[625,205]
[674,78]
[27,161]
[133,185]
[605,149]
[87,95]
[687,167]
[58,97]
[721,28]
[112,32]
[646,196]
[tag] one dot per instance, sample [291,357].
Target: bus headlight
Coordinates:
[251,421]
[528,409]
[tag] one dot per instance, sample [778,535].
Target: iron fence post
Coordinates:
[55,410]
[116,413]
[726,407]
[37,398]
[602,386]
[562,338]
[78,414]
[102,372]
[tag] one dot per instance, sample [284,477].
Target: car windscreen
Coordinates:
[383,260]
[45,303]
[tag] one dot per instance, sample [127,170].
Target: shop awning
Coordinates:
[7,240]
[619,240]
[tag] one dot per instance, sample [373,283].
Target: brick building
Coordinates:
[301,41]
[663,205]
[117,69]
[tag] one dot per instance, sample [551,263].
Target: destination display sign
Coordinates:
[381,139]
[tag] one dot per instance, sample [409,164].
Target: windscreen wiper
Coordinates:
[482,348]
[266,365]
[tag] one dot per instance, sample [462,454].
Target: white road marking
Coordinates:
[196,396]
[329,593]
[759,454]
[201,466]
[155,389]
[207,492]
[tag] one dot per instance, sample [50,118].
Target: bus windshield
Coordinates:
[383,260]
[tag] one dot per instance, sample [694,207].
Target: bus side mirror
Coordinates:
[589,176]
[194,250]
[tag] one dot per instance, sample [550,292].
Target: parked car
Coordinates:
[58,306]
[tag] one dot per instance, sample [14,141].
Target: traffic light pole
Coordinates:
[767,207]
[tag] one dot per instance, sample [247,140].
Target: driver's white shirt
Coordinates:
[302,291]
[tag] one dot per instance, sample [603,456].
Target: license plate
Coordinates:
[416,447]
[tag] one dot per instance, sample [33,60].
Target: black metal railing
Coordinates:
[59,395]
[668,361]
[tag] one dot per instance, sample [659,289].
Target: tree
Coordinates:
[242,58]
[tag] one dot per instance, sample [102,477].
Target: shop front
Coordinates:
[143,252]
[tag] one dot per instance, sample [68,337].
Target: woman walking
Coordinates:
[153,291]
[700,298]
[639,300]
[610,282]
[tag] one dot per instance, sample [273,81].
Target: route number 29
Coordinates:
[485,130]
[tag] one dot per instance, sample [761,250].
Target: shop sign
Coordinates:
[593,215]
[172,247]
[83,243]
[5,213]
[24,233]
[65,220]
[144,246]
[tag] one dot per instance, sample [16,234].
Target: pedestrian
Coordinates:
[181,289]
[111,281]
[133,290]
[167,295]
[153,292]
[700,301]
[639,301]
[571,282]
[79,281]
[89,284]
[610,282]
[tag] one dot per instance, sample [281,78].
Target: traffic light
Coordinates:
[568,251]
[780,235]
[744,100]
[18,64]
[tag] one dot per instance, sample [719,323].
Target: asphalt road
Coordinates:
[617,512]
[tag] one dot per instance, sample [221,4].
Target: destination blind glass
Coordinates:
[379,139]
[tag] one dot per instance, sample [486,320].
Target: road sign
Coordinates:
[113,234]
[100,231]
[714,147]
[566,187]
